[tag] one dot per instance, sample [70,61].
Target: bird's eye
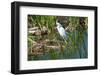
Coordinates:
[58,21]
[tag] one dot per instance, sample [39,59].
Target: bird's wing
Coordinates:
[62,31]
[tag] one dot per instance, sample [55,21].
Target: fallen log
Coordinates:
[36,31]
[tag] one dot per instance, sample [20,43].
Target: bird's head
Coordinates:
[58,24]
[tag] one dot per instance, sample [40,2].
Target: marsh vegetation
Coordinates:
[45,43]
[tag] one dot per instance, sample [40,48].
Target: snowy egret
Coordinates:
[61,31]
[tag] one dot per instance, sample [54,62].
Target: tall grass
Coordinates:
[76,44]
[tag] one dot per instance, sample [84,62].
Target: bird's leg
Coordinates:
[65,40]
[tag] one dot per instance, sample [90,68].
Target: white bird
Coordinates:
[61,31]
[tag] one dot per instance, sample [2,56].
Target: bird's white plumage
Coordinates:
[61,30]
